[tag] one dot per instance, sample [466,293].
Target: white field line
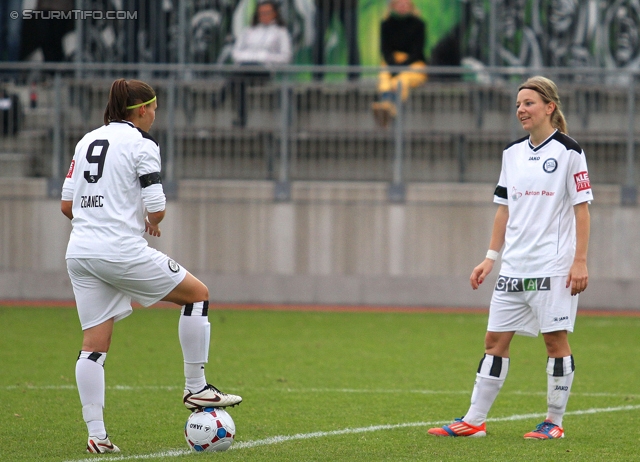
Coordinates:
[348,431]
[320,390]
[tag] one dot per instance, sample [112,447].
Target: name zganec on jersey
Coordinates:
[91,201]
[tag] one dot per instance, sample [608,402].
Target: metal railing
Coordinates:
[297,128]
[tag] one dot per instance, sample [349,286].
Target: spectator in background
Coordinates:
[402,42]
[347,11]
[266,42]
[11,115]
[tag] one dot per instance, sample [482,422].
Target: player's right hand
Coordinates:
[480,272]
[153,230]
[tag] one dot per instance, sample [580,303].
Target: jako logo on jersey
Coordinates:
[507,284]
[534,158]
[563,318]
[582,181]
[550,165]
[71,167]
[515,195]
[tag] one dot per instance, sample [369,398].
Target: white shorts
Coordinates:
[104,289]
[528,306]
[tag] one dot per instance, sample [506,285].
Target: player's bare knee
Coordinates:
[491,340]
[196,295]
[101,345]
[199,293]
[497,343]
[557,344]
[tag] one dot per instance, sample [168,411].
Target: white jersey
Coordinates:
[540,185]
[114,171]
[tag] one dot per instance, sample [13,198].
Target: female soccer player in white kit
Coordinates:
[113,194]
[543,222]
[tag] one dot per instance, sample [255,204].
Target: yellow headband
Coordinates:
[142,104]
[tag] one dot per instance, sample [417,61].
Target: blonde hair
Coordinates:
[548,91]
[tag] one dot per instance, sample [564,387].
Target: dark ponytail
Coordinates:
[125,93]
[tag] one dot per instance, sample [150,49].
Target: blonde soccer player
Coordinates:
[543,223]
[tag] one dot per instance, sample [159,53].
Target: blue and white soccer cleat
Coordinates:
[460,428]
[545,431]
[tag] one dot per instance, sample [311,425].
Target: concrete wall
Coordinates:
[335,242]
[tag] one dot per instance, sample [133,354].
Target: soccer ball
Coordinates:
[209,429]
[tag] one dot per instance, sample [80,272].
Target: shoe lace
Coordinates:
[211,387]
[545,426]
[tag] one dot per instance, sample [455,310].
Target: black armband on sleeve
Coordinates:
[150,178]
[501,192]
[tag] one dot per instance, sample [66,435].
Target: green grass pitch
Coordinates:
[317,386]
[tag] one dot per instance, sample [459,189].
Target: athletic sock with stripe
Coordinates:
[194,332]
[492,372]
[560,373]
[91,387]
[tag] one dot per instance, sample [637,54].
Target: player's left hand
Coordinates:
[153,230]
[578,278]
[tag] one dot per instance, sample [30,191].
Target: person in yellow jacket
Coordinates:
[402,41]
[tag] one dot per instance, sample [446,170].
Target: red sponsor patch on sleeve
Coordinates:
[71,167]
[582,181]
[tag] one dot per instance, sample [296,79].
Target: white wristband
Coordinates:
[492,254]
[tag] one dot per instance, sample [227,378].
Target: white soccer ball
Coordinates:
[209,429]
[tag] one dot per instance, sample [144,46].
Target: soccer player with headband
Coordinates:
[543,223]
[113,194]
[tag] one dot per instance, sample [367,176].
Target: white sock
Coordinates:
[559,380]
[491,375]
[194,331]
[194,377]
[91,387]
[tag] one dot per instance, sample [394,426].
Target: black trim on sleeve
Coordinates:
[147,136]
[567,142]
[501,192]
[149,179]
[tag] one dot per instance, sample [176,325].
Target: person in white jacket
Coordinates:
[266,42]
